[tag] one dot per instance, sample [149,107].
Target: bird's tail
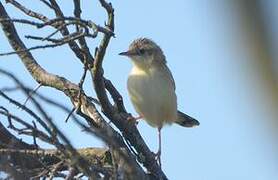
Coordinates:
[186,121]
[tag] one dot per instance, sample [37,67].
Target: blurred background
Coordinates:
[224,58]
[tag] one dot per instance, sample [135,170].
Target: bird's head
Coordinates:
[144,53]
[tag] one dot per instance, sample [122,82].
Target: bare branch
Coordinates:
[29,111]
[123,148]
[31,93]
[57,43]
[28,11]
[8,140]
[46,3]
[130,132]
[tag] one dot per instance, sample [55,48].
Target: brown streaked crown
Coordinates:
[147,45]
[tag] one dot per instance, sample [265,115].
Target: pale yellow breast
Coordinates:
[153,95]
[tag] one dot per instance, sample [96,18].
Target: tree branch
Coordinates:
[87,109]
[129,130]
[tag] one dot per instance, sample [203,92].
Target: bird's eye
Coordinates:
[141,51]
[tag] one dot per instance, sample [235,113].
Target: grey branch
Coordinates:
[92,121]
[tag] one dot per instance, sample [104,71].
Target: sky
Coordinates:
[206,52]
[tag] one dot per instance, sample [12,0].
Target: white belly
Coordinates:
[153,96]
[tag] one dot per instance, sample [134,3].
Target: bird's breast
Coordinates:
[153,95]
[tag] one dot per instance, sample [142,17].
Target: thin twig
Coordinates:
[29,111]
[28,128]
[69,115]
[46,3]
[31,93]
[28,11]
[66,40]
[35,135]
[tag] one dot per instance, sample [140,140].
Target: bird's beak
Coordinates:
[124,53]
[127,53]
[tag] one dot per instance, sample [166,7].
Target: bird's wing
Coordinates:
[169,75]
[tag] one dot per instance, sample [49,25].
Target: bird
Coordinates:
[151,88]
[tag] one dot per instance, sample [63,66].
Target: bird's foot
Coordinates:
[158,157]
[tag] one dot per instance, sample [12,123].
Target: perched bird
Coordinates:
[151,87]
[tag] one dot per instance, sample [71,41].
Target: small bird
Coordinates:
[151,88]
